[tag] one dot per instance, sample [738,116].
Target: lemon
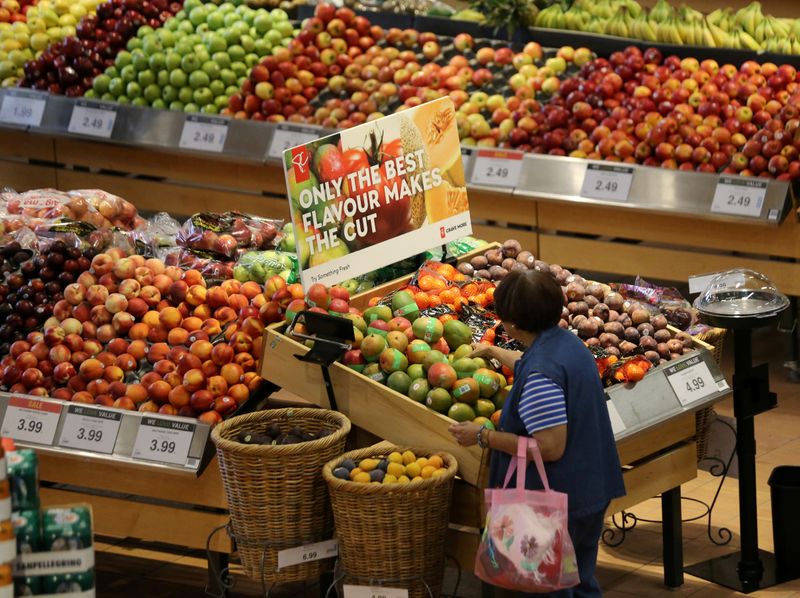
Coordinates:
[438,473]
[422,462]
[409,457]
[436,461]
[362,477]
[389,479]
[395,469]
[368,464]
[403,480]
[395,457]
[427,471]
[355,472]
[413,470]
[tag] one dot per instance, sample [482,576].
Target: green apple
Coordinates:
[227,76]
[185,94]
[140,62]
[278,14]
[123,59]
[215,42]
[172,61]
[217,88]
[191,108]
[198,79]
[108,97]
[139,102]
[203,96]
[198,15]
[167,37]
[262,22]
[230,35]
[133,90]
[190,4]
[159,103]
[222,59]
[169,93]
[285,28]
[189,63]
[236,53]
[226,7]
[146,78]
[144,31]
[274,37]
[100,83]
[176,105]
[186,27]
[215,20]
[209,109]
[231,18]
[263,47]
[127,74]
[211,69]
[162,78]
[152,93]
[251,60]
[232,89]
[221,101]
[156,61]
[240,68]
[177,78]
[152,45]
[134,43]
[123,100]
[90,93]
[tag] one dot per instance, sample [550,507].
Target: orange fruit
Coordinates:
[436,461]
[434,300]
[468,290]
[422,299]
[495,419]
[426,282]
[633,372]
[427,471]
[447,271]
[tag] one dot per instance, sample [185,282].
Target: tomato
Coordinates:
[394,218]
[391,149]
[355,159]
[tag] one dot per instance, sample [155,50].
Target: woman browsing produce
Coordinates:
[557,398]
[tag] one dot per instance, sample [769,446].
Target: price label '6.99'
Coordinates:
[308,553]
[351,591]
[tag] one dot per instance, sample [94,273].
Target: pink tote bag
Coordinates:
[526,544]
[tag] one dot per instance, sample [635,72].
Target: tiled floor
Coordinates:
[631,569]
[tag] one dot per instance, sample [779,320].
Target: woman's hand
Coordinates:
[465,433]
[482,350]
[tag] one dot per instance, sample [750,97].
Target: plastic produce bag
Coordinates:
[226,233]
[263,265]
[526,544]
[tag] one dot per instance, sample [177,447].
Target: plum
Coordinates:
[627,347]
[520,267]
[495,257]
[640,315]
[508,263]
[663,350]
[659,322]
[555,270]
[587,328]
[466,268]
[593,342]
[497,272]
[614,328]
[662,336]
[526,258]
[479,262]
[632,335]
[483,274]
[541,266]
[601,311]
[563,324]
[575,291]
[595,290]
[646,329]
[686,339]
[652,357]
[576,278]
[609,340]
[578,307]
[675,346]
[648,343]
[511,248]
[614,301]
[577,319]
[591,300]
[613,351]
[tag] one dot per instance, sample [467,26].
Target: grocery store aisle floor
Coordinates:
[127,569]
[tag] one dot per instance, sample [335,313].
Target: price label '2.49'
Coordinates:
[163,440]
[95,120]
[740,196]
[496,168]
[603,181]
[204,133]
[31,420]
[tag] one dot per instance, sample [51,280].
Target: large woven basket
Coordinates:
[392,535]
[705,417]
[276,496]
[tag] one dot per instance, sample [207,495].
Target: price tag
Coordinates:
[31,420]
[22,108]
[308,553]
[90,429]
[95,120]
[204,133]
[284,137]
[691,380]
[604,181]
[739,196]
[163,440]
[351,591]
[617,425]
[497,168]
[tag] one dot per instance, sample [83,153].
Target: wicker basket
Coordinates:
[705,417]
[276,495]
[392,535]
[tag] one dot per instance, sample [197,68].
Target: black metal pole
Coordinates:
[672,541]
[750,568]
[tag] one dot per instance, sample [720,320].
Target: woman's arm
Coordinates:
[552,441]
[505,356]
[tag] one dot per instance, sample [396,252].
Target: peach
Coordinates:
[210,368]
[116,303]
[170,318]
[273,285]
[211,327]
[157,352]
[138,349]
[31,378]
[177,291]
[232,372]
[40,350]
[196,295]
[246,360]
[117,389]
[117,346]
[76,383]
[183,308]
[193,277]
[72,326]
[138,260]
[83,397]
[82,312]
[136,393]
[173,272]
[225,405]
[198,335]
[259,301]
[39,391]
[117,253]
[148,407]
[35,337]
[143,276]
[252,380]
[106,358]
[74,293]
[203,312]
[296,291]
[217,385]
[222,354]
[62,310]
[92,347]
[194,380]
[173,379]
[18,388]
[106,400]
[150,295]
[19,347]
[201,400]
[192,323]
[46,367]
[63,372]
[102,263]
[225,315]
[126,362]
[250,289]
[130,288]
[113,373]
[238,301]
[165,366]
[100,315]
[158,391]
[54,335]
[179,397]
[137,307]
[157,334]
[212,418]
[167,409]
[64,394]
[231,286]
[253,326]
[176,354]
[73,342]
[202,349]
[149,378]
[187,362]
[78,357]
[151,318]
[97,387]
[216,297]
[177,336]
[87,279]
[156,266]
[89,330]
[124,268]
[60,354]
[97,295]
[162,282]
[109,281]
[124,403]
[241,342]
[105,333]
[239,392]
[139,331]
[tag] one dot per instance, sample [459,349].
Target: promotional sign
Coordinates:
[377,193]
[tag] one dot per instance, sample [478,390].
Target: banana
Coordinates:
[721,37]
[748,42]
[708,37]
[661,11]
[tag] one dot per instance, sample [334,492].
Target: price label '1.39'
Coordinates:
[285,137]
[22,107]
[603,181]
[351,591]
[163,440]
[204,133]
[740,196]
[691,380]
[497,168]
[96,120]
[90,429]
[31,420]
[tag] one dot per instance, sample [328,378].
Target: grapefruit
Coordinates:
[418,390]
[484,408]
[461,412]
[415,371]
[433,357]
[439,400]
[400,382]
[465,390]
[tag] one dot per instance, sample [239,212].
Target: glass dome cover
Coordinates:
[741,293]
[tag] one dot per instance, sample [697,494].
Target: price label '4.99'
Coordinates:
[90,429]
[163,440]
[691,380]
[22,107]
[497,168]
[94,120]
[603,181]
[351,591]
[204,134]
[31,420]
[739,196]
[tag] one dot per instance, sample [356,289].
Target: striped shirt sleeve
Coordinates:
[542,404]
